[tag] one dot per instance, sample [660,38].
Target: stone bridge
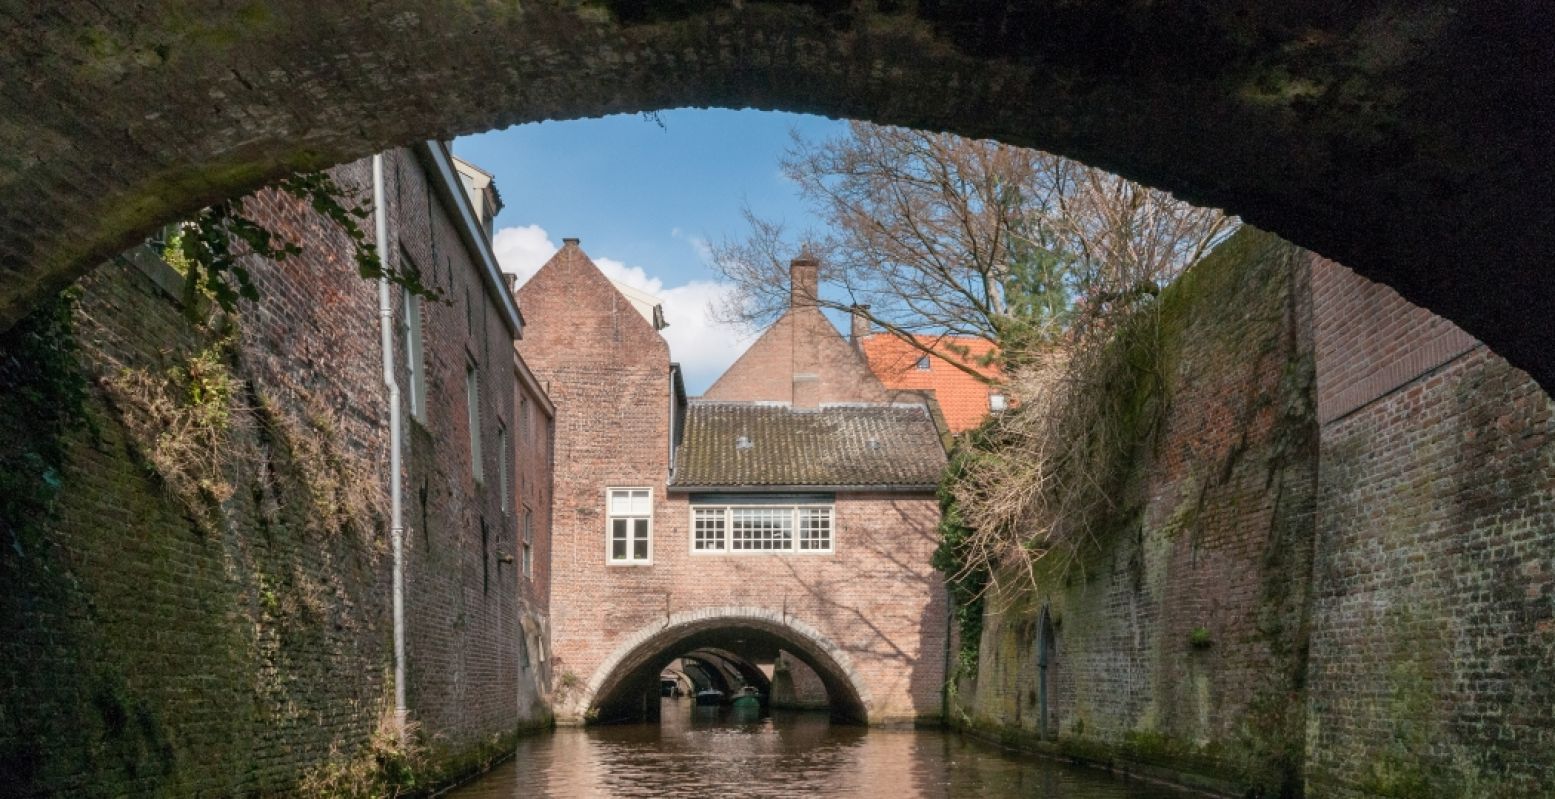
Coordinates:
[1412,145]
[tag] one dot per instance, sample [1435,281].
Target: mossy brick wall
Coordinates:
[161,643]
[1215,534]
[1433,625]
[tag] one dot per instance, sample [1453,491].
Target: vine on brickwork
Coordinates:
[210,247]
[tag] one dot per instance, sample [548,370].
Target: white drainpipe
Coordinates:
[396,511]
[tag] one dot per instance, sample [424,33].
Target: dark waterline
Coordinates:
[713,752]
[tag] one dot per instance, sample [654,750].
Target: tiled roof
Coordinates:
[963,399]
[730,444]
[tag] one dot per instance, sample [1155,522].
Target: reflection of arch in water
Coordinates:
[622,685]
[1047,676]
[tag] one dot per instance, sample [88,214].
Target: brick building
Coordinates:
[236,610]
[964,399]
[786,516]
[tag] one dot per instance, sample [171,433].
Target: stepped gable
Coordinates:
[731,444]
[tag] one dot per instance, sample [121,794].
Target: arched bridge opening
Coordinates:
[1413,147]
[728,650]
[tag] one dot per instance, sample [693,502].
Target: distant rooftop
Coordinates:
[733,444]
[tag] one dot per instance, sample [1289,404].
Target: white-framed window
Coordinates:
[741,529]
[472,395]
[415,364]
[529,542]
[997,403]
[504,471]
[629,528]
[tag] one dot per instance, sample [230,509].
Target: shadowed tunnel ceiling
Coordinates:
[1411,142]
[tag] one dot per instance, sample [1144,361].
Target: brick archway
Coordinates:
[1412,146]
[646,651]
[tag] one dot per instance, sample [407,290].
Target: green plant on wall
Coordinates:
[210,247]
[966,578]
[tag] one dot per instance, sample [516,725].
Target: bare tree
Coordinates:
[931,234]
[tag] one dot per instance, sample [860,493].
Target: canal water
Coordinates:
[720,752]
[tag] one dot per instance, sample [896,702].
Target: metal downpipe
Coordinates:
[396,510]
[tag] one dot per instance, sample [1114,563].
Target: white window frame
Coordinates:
[728,529]
[504,469]
[415,358]
[527,543]
[472,396]
[610,518]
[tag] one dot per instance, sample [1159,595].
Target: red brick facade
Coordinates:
[237,643]
[873,611]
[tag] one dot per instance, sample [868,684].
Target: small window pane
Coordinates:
[642,503]
[618,529]
[618,549]
[708,529]
[815,529]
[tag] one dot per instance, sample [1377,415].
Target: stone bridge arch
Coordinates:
[618,684]
[1412,145]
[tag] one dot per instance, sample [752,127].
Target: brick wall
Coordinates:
[608,372]
[1214,535]
[228,637]
[1434,619]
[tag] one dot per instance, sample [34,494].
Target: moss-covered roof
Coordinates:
[731,444]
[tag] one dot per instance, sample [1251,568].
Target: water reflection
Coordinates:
[712,751]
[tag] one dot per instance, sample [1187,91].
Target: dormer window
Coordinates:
[923,363]
[997,403]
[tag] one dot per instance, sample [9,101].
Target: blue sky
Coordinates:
[645,200]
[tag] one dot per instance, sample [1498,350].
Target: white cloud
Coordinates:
[634,276]
[523,250]
[703,347]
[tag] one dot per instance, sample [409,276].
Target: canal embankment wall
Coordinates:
[196,549]
[1331,575]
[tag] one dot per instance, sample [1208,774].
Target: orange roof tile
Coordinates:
[963,399]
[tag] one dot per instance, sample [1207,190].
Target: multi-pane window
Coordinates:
[415,365]
[529,542]
[815,529]
[630,524]
[761,528]
[472,394]
[709,529]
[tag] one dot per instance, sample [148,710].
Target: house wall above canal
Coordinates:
[197,586]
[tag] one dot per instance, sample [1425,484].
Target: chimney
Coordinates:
[512,281]
[804,281]
[860,324]
[570,242]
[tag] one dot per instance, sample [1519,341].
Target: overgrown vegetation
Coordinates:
[182,417]
[390,764]
[1050,476]
[210,247]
